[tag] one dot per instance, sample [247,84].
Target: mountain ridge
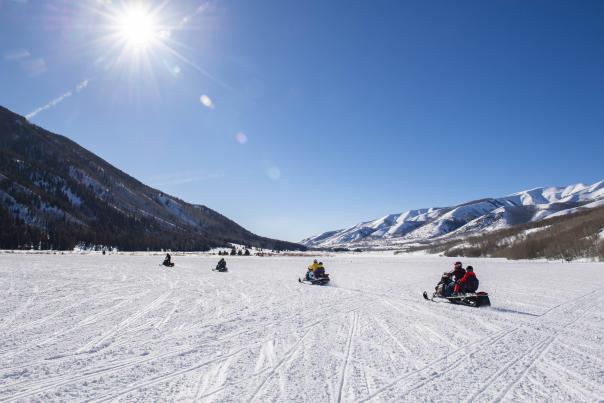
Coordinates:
[485,214]
[55,194]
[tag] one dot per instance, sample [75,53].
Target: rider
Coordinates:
[167,260]
[221,265]
[310,274]
[445,286]
[468,283]
[458,271]
[320,271]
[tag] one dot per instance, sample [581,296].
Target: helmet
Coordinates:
[314,261]
[457,264]
[469,268]
[321,263]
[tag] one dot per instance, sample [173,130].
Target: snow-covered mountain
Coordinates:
[488,214]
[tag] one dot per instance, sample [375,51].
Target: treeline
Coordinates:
[566,237]
[57,235]
[235,252]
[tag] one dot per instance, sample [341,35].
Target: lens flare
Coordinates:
[137,27]
[206,101]
[241,138]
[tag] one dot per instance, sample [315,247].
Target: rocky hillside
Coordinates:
[578,235]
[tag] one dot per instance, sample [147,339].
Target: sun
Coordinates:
[138,39]
[137,27]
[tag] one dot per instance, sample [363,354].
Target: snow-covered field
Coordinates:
[119,327]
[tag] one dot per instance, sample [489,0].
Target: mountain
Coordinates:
[56,194]
[577,234]
[478,216]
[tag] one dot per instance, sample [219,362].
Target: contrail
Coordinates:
[78,88]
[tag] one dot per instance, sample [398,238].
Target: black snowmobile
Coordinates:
[221,266]
[220,269]
[475,299]
[168,261]
[323,280]
[319,277]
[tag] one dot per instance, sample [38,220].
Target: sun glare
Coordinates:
[138,39]
[137,27]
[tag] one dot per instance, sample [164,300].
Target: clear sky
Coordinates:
[298,117]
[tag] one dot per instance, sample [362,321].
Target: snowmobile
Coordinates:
[474,299]
[221,266]
[220,269]
[168,261]
[322,280]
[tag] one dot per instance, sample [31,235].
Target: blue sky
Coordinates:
[321,114]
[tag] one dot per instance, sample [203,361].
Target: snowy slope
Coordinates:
[480,215]
[121,328]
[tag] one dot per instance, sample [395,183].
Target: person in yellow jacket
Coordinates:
[311,269]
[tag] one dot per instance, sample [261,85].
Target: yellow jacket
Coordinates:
[313,267]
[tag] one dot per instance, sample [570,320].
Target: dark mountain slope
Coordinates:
[55,193]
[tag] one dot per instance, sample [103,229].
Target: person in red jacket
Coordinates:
[468,283]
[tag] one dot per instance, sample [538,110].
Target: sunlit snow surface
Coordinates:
[120,327]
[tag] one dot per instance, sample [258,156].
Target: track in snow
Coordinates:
[119,327]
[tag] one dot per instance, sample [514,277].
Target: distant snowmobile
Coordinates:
[315,281]
[316,276]
[221,266]
[168,261]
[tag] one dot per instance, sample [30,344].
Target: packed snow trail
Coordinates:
[122,328]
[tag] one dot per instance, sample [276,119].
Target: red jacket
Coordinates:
[468,283]
[466,276]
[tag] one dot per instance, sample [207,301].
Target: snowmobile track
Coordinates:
[191,335]
[528,358]
[477,346]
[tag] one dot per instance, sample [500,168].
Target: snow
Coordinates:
[120,327]
[485,215]
[597,203]
[17,209]
[81,176]
[177,209]
[73,198]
